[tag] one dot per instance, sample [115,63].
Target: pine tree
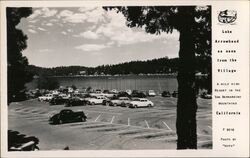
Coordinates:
[17,63]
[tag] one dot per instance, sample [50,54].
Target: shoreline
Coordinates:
[115,76]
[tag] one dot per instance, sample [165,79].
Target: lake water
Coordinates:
[158,83]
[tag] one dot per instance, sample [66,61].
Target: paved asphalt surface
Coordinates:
[107,127]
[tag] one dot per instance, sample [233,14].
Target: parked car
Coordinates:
[166,94]
[98,91]
[66,116]
[108,94]
[175,94]
[206,96]
[138,94]
[46,97]
[114,91]
[31,94]
[21,142]
[97,100]
[57,100]
[106,102]
[151,93]
[129,91]
[140,102]
[64,96]
[121,101]
[123,94]
[76,101]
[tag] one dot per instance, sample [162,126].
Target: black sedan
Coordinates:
[76,101]
[166,94]
[57,100]
[67,116]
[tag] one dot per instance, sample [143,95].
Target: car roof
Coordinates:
[66,110]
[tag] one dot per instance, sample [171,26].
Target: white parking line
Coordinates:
[112,119]
[128,121]
[203,135]
[147,123]
[170,138]
[167,125]
[205,141]
[103,112]
[99,125]
[97,117]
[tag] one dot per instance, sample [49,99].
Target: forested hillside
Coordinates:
[162,65]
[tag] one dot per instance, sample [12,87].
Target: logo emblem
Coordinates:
[227,16]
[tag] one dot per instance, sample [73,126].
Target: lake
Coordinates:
[158,83]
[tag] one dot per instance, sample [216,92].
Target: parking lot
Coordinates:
[108,127]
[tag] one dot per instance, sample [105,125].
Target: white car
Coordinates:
[129,91]
[97,100]
[121,101]
[108,95]
[140,102]
[46,97]
[151,93]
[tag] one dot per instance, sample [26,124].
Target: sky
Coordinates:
[90,37]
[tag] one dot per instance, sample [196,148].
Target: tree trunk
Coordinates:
[186,104]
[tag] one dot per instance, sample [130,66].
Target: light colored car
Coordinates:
[97,100]
[96,93]
[114,91]
[151,93]
[129,91]
[121,101]
[141,102]
[108,95]
[64,96]
[46,97]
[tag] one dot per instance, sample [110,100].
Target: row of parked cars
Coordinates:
[68,115]
[121,99]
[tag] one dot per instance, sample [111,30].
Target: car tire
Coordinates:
[136,106]
[36,148]
[107,103]
[149,105]
[92,103]
[83,119]
[115,104]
